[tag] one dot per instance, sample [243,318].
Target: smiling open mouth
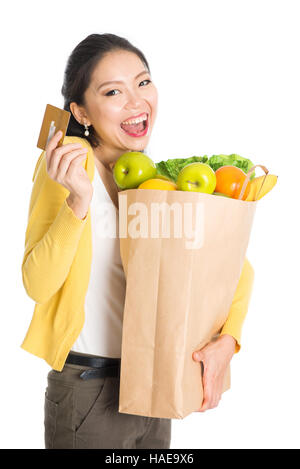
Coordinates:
[138,129]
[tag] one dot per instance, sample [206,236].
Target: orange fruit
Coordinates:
[230,180]
[160,184]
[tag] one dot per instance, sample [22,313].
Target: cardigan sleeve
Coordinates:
[52,236]
[240,304]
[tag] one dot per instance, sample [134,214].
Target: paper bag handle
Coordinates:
[248,177]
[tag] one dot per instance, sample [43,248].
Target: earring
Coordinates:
[86,133]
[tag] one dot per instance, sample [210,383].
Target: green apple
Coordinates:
[199,177]
[132,168]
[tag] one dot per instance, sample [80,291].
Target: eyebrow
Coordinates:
[116,81]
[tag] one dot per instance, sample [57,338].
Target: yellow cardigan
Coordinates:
[56,268]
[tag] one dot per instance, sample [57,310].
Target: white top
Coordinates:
[105,297]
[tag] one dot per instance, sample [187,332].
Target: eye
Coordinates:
[109,93]
[145,80]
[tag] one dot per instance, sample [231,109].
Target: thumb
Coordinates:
[198,356]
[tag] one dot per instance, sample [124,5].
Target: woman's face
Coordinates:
[110,104]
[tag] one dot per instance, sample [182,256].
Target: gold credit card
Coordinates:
[55,119]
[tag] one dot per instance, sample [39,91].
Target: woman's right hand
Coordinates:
[64,166]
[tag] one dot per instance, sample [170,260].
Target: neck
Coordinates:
[107,156]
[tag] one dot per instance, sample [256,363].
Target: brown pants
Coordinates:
[84,414]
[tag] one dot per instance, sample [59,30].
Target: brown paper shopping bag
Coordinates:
[180,285]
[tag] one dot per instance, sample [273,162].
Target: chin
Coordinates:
[139,146]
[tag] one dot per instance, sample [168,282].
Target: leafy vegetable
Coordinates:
[216,161]
[171,167]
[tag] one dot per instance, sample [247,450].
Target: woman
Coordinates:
[75,275]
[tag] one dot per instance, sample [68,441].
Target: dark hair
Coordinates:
[80,66]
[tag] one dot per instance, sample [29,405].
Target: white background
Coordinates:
[227,74]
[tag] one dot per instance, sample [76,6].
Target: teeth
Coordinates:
[135,121]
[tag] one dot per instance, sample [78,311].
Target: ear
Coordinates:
[79,114]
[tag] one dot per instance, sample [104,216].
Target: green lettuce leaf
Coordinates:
[216,161]
[172,167]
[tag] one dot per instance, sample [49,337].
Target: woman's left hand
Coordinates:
[215,357]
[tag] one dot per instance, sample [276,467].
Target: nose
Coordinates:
[134,101]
